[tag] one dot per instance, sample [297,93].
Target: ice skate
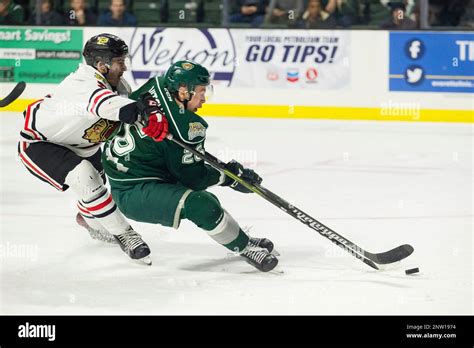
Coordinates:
[264,243]
[101,235]
[259,257]
[134,246]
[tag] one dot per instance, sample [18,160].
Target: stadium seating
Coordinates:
[148,13]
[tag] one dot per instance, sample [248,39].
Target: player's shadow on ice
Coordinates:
[376,282]
[230,264]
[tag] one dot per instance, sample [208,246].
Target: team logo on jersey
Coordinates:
[100,131]
[187,66]
[196,129]
[102,40]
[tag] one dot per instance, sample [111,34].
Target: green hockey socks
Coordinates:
[204,209]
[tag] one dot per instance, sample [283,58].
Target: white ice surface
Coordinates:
[378,184]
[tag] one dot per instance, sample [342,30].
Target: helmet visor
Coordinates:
[209,92]
[125,61]
[128,61]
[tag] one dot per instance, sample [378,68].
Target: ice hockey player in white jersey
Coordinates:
[61,138]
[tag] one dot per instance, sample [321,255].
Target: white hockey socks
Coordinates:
[95,202]
[229,234]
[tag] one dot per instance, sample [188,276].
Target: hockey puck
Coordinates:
[412,270]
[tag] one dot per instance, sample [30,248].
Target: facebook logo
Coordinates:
[415,49]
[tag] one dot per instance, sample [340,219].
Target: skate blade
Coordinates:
[277,270]
[107,241]
[102,238]
[145,260]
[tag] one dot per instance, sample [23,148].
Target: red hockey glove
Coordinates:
[157,127]
[156,124]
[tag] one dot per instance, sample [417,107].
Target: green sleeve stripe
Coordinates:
[172,119]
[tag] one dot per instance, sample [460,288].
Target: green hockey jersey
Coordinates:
[131,156]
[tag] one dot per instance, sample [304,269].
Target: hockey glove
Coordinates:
[247,174]
[153,116]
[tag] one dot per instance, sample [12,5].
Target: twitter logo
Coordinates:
[414,75]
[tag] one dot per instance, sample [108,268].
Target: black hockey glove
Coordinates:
[247,174]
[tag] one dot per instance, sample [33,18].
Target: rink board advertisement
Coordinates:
[280,59]
[39,55]
[307,59]
[432,62]
[153,50]
[314,74]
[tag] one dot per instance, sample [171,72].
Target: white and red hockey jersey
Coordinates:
[80,114]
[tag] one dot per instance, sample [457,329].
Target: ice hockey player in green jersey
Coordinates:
[161,183]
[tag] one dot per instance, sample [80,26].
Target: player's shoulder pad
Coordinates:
[187,126]
[88,76]
[93,77]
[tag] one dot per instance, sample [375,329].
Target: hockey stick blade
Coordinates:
[13,95]
[397,254]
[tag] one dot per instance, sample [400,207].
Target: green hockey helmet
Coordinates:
[187,73]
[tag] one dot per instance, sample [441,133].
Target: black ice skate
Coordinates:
[258,257]
[134,246]
[262,243]
[101,235]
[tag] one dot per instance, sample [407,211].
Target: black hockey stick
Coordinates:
[14,94]
[373,260]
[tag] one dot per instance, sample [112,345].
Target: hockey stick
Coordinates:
[373,260]
[13,95]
